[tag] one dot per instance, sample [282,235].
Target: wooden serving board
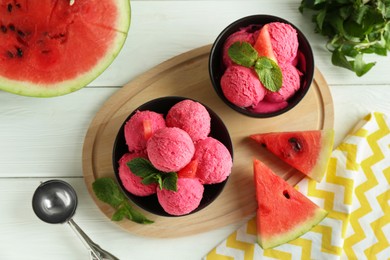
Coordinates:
[187,75]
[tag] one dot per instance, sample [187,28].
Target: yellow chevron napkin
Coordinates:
[356,193]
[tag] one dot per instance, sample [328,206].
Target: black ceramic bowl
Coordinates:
[305,62]
[162,105]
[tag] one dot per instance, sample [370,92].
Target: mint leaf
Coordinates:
[170,181]
[339,59]
[141,167]
[119,214]
[149,174]
[127,211]
[242,53]
[269,73]
[152,178]
[135,216]
[360,66]
[108,191]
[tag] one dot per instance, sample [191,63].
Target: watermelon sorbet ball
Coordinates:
[214,161]
[186,199]
[132,182]
[241,86]
[190,116]
[284,41]
[170,149]
[291,84]
[135,135]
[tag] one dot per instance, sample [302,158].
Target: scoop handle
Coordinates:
[96,251]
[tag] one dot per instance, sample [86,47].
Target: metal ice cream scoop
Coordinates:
[55,202]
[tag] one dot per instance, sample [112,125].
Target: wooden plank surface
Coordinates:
[187,75]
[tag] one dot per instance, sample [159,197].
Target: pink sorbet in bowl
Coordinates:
[271,38]
[172,149]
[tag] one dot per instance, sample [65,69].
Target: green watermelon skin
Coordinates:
[283,213]
[52,48]
[307,151]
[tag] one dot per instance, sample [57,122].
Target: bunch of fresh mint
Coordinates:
[108,191]
[354,28]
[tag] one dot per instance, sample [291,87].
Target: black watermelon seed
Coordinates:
[18,5]
[11,27]
[295,144]
[3,28]
[19,52]
[21,33]
[9,7]
[286,194]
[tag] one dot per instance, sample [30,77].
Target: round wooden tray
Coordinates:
[187,75]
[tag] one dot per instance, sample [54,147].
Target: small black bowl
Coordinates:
[162,106]
[305,62]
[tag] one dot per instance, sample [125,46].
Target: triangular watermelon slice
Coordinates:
[307,151]
[283,213]
[263,44]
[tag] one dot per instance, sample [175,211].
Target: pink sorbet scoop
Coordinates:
[241,86]
[135,132]
[186,199]
[214,161]
[170,149]
[284,40]
[190,116]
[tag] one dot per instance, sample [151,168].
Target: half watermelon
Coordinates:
[306,151]
[51,48]
[283,213]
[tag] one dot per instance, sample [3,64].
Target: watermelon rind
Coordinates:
[298,231]
[327,142]
[26,88]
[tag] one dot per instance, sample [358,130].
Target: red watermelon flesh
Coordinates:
[263,44]
[307,151]
[283,213]
[50,48]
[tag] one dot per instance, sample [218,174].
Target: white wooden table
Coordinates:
[42,139]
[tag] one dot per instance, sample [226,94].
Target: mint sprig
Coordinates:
[149,174]
[268,71]
[108,191]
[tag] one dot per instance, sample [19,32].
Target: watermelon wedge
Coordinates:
[306,151]
[50,48]
[283,213]
[263,44]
